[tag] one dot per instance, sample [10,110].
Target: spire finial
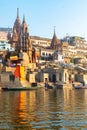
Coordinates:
[54,29]
[17,12]
[23,18]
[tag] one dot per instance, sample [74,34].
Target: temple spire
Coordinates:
[55,41]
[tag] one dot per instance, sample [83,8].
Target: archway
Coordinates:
[54,78]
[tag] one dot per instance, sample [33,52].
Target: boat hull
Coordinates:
[80,87]
[19,88]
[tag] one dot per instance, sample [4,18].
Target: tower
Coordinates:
[16,29]
[24,43]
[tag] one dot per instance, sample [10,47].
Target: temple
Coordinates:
[21,39]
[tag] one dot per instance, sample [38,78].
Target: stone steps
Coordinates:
[15,84]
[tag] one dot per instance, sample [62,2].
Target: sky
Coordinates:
[69,17]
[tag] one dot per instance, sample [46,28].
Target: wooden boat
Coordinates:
[20,88]
[79,86]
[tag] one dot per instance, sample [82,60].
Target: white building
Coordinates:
[5,46]
[57,57]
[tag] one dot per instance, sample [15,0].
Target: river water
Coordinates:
[61,109]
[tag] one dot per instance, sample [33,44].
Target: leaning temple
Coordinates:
[20,38]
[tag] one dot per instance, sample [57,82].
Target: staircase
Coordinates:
[15,84]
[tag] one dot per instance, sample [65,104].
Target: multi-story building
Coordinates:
[40,41]
[77,41]
[4,34]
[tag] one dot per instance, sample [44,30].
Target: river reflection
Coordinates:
[61,109]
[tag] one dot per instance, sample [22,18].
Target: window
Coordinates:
[43,53]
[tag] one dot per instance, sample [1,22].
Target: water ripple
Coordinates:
[43,110]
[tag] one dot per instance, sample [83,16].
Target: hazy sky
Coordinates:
[68,16]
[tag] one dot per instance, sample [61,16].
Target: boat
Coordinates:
[79,86]
[33,86]
[20,88]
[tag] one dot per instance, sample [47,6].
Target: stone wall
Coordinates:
[4,77]
[42,76]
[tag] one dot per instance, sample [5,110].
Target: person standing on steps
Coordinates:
[46,83]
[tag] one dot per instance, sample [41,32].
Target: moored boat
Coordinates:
[20,88]
[79,86]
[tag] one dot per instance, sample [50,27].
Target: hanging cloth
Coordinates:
[17,71]
[22,73]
